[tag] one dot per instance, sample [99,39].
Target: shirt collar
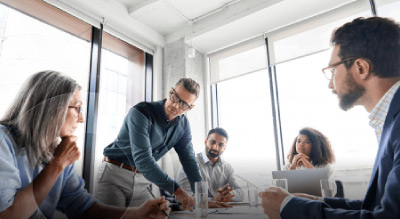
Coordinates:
[160,106]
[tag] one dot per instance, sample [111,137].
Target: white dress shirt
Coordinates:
[216,175]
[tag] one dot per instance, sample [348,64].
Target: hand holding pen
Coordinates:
[164,204]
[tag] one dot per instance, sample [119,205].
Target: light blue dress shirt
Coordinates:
[67,195]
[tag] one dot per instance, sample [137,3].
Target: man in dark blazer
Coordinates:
[364,69]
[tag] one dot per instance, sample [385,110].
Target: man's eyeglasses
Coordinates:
[175,98]
[330,71]
[79,109]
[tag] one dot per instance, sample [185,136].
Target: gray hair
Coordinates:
[190,85]
[38,113]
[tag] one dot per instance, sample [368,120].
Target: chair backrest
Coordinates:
[339,189]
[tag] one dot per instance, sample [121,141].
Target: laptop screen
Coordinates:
[303,181]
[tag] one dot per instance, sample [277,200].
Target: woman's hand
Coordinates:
[67,152]
[150,209]
[305,162]
[301,160]
[153,209]
[32,196]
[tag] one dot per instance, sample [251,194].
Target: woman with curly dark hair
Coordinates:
[310,149]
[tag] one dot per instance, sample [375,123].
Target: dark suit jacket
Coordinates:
[382,199]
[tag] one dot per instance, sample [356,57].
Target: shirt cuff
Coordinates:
[321,199]
[285,201]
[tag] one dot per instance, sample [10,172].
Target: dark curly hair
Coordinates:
[374,39]
[321,152]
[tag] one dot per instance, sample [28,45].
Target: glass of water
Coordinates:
[280,183]
[201,197]
[253,196]
[328,187]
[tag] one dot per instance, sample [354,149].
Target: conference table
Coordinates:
[236,212]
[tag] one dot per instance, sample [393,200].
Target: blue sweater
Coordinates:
[146,135]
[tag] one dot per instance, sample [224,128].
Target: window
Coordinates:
[298,52]
[122,85]
[389,8]
[244,110]
[239,60]
[245,113]
[28,45]
[306,101]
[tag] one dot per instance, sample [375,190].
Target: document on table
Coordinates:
[237,212]
[242,210]
[238,203]
[210,211]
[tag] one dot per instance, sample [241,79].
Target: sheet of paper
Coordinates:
[210,211]
[242,210]
[238,203]
[237,212]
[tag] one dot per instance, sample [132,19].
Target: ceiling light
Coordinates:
[191,52]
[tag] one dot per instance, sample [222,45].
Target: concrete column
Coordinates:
[177,65]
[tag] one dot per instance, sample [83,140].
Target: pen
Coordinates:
[152,195]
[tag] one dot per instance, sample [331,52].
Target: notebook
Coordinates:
[303,181]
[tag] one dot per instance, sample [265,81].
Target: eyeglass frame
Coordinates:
[78,108]
[332,66]
[173,92]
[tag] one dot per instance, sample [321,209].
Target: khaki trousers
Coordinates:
[120,187]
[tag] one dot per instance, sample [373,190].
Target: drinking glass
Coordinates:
[253,196]
[328,187]
[281,183]
[201,197]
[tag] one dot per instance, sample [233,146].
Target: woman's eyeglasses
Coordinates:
[79,109]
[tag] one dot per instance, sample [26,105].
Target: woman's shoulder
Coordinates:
[328,167]
[6,137]
[287,166]
[323,166]
[7,147]
[3,129]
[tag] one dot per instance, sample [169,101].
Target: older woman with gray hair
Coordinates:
[38,151]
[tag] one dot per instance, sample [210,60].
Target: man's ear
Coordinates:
[363,68]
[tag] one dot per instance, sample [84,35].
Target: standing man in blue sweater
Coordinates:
[149,131]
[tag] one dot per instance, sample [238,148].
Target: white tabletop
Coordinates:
[232,213]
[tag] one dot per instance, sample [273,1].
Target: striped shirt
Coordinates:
[378,114]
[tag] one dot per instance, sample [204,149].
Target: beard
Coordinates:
[213,153]
[354,92]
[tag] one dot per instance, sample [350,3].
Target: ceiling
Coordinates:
[207,25]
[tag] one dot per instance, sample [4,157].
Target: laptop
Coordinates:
[303,181]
